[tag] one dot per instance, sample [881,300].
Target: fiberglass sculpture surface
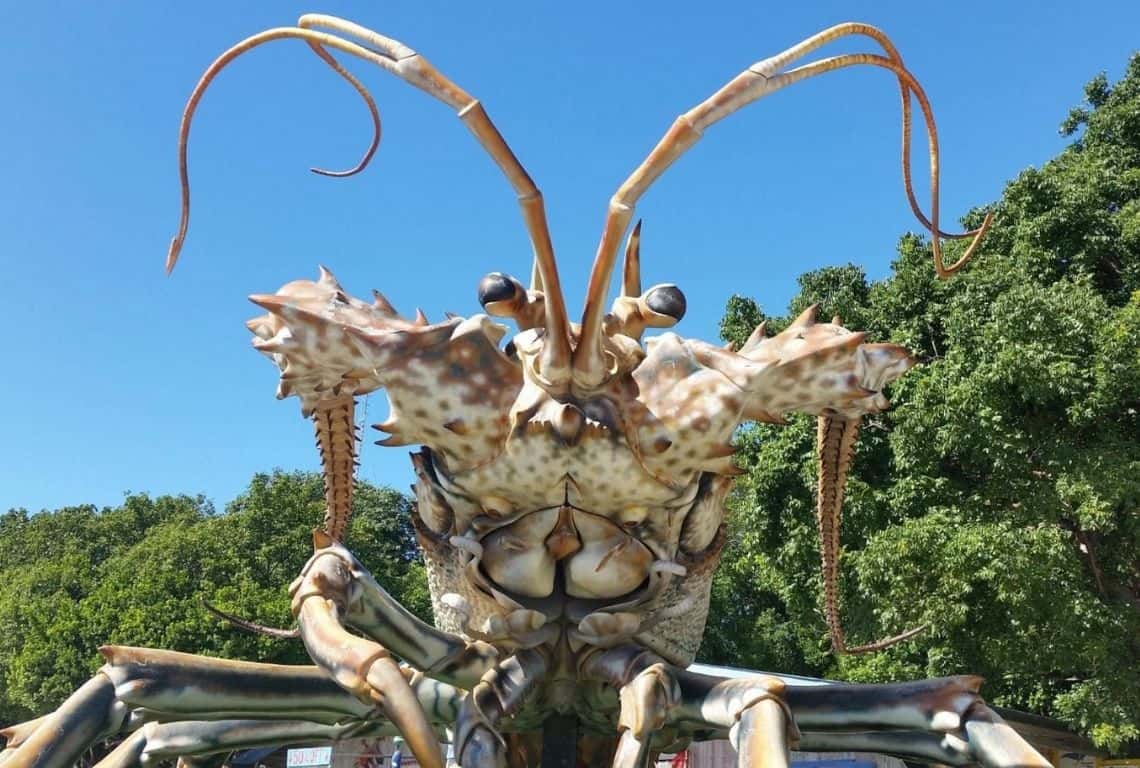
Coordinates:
[570,490]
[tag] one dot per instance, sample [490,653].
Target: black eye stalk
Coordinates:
[503,296]
[497,288]
[662,306]
[666,300]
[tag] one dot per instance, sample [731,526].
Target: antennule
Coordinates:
[373,113]
[631,271]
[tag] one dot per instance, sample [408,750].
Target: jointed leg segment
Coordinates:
[59,739]
[659,702]
[209,705]
[335,575]
[334,591]
[497,695]
[943,720]
[199,738]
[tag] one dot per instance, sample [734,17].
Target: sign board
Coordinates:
[309,757]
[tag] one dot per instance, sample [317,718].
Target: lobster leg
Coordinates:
[931,718]
[943,719]
[995,744]
[936,705]
[646,698]
[658,701]
[498,694]
[333,573]
[333,592]
[753,710]
[645,704]
[762,735]
[362,667]
[940,749]
[164,741]
[140,685]
[986,740]
[89,714]
[166,685]
[15,735]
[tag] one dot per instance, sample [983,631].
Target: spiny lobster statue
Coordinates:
[570,493]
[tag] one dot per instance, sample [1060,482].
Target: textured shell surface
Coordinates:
[548,508]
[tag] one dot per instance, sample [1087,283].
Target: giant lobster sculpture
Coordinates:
[570,495]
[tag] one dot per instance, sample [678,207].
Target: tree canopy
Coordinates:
[79,577]
[998,501]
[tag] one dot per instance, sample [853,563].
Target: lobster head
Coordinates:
[663,410]
[571,447]
[456,389]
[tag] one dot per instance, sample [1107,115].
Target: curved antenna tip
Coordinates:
[172,254]
[945,272]
[338,174]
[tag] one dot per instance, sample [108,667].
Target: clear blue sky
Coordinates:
[116,378]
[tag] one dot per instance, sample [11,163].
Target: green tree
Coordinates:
[998,501]
[76,578]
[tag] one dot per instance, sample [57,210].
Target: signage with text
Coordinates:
[309,757]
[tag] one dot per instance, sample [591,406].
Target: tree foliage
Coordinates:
[998,501]
[77,578]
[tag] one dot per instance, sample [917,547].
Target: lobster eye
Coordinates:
[666,300]
[496,287]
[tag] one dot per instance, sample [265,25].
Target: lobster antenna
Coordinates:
[761,79]
[405,63]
